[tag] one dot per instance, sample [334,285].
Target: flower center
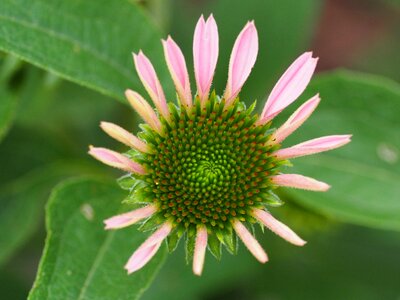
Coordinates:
[210,165]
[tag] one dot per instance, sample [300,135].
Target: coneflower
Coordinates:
[206,167]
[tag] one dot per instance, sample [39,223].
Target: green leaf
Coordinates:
[81,260]
[7,108]
[22,200]
[8,101]
[35,156]
[87,42]
[365,174]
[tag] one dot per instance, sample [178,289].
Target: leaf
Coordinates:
[8,101]
[35,156]
[7,109]
[364,174]
[81,260]
[22,200]
[87,42]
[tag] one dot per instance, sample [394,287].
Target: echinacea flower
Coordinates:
[206,168]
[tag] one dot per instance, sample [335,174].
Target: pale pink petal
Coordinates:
[250,242]
[205,55]
[144,110]
[200,250]
[141,257]
[116,160]
[299,182]
[314,146]
[296,120]
[148,249]
[149,78]
[124,136]
[289,87]
[243,57]
[129,218]
[277,227]
[177,67]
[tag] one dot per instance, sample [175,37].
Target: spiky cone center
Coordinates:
[210,166]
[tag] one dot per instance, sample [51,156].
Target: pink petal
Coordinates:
[116,160]
[124,137]
[299,182]
[277,227]
[296,119]
[242,60]
[290,86]
[205,54]
[129,218]
[250,242]
[177,67]
[200,250]
[149,78]
[314,146]
[148,249]
[144,110]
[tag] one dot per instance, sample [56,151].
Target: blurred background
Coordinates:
[347,257]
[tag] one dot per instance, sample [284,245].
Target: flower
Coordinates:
[206,168]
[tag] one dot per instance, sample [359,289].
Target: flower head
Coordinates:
[206,167]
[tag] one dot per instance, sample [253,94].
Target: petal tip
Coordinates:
[301,243]
[128,92]
[197,272]
[325,187]
[128,270]
[107,225]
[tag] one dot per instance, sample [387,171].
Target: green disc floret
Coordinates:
[210,165]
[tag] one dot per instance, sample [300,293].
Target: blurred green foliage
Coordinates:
[46,124]
[75,215]
[364,175]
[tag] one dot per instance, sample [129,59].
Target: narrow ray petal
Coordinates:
[289,87]
[116,160]
[148,249]
[205,55]
[124,136]
[243,57]
[314,146]
[177,67]
[144,110]
[299,182]
[250,242]
[129,218]
[200,250]
[296,119]
[149,78]
[277,227]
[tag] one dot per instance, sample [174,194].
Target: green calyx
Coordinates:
[210,165]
